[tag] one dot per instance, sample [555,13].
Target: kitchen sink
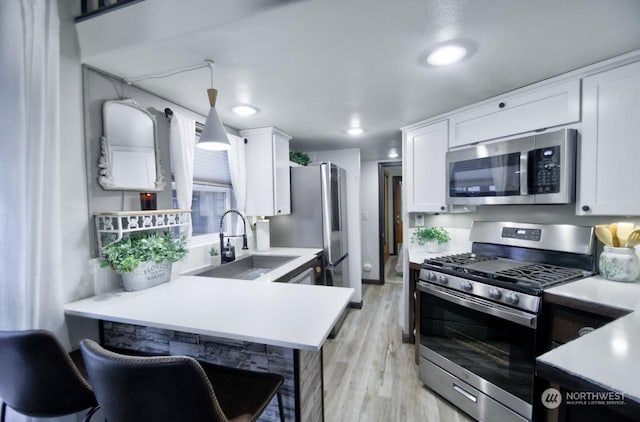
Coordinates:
[247,267]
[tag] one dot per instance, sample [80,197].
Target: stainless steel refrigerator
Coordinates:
[318,219]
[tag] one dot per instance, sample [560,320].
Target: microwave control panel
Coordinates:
[545,166]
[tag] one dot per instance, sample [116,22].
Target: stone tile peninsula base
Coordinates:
[302,391]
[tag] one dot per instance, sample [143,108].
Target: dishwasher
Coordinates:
[305,277]
[310,273]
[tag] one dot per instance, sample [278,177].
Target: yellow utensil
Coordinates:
[634,239]
[624,230]
[604,235]
[613,228]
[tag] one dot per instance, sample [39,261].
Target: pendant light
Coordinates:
[213,137]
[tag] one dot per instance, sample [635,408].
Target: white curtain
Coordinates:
[31,276]
[183,141]
[238,170]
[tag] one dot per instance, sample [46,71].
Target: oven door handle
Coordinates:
[481,305]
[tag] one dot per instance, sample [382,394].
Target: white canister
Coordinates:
[619,264]
[263,241]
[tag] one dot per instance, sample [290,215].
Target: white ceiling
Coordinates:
[313,67]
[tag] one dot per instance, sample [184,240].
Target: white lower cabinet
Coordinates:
[268,177]
[425,154]
[520,112]
[610,148]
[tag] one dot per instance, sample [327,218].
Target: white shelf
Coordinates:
[120,222]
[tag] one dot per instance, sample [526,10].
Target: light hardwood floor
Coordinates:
[369,374]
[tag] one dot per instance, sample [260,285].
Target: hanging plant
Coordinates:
[299,157]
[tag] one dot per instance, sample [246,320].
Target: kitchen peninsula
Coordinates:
[250,324]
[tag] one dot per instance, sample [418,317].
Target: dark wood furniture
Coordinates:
[414,309]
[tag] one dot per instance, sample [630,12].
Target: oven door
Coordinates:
[489,346]
[490,174]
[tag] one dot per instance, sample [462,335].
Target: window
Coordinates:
[212,191]
[207,206]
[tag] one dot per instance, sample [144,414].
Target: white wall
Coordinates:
[349,159]
[76,250]
[369,209]
[82,276]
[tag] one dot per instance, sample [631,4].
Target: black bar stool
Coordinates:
[176,388]
[39,378]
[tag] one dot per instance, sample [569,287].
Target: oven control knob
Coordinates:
[511,298]
[442,279]
[466,285]
[495,293]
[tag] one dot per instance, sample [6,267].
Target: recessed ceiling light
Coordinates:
[244,110]
[393,154]
[447,54]
[355,131]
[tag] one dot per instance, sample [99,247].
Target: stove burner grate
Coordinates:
[453,261]
[542,274]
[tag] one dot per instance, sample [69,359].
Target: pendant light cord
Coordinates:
[207,63]
[210,65]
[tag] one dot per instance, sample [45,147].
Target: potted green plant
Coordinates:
[299,157]
[215,255]
[144,259]
[432,237]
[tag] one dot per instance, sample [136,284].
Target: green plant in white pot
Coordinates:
[144,259]
[432,237]
[215,255]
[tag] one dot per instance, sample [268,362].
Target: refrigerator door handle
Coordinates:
[336,263]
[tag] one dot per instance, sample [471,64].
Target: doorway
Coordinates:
[389,215]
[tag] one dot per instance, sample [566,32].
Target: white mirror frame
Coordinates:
[105,163]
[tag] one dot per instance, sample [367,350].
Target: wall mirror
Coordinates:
[129,157]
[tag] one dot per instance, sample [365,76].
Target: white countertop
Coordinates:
[280,314]
[609,356]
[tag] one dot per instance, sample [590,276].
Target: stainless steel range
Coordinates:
[479,313]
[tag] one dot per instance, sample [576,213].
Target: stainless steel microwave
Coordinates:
[537,169]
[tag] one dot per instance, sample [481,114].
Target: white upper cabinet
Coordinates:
[268,177]
[610,154]
[425,153]
[511,114]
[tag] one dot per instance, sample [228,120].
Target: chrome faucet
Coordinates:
[228,252]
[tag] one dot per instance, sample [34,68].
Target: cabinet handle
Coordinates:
[443,208]
[502,105]
[279,211]
[586,208]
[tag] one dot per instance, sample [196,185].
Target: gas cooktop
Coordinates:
[491,268]
[520,257]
